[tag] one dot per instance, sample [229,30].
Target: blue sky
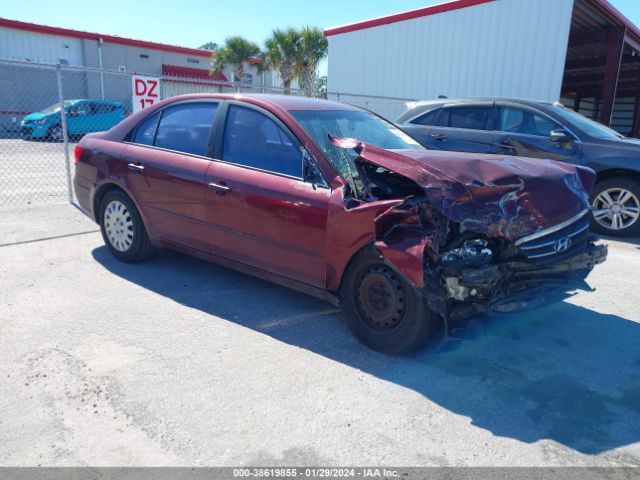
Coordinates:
[191,23]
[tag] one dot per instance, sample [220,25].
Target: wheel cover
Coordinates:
[118,226]
[616,208]
[56,134]
[381,297]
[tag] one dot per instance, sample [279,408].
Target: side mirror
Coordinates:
[310,173]
[559,136]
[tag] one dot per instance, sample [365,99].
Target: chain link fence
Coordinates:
[45,109]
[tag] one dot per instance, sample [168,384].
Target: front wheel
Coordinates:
[383,310]
[56,134]
[616,207]
[122,228]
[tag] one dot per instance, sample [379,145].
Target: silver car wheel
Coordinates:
[118,225]
[56,134]
[616,208]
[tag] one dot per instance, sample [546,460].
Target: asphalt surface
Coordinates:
[179,362]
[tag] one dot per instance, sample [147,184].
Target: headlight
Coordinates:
[41,121]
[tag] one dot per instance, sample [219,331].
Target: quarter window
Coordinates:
[428,118]
[186,127]
[253,139]
[516,120]
[146,130]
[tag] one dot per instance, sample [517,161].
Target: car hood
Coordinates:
[38,116]
[499,196]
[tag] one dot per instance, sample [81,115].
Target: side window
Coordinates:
[428,118]
[185,127]
[471,118]
[82,110]
[100,108]
[146,130]
[253,139]
[516,120]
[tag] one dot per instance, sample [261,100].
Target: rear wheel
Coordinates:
[122,228]
[384,311]
[616,204]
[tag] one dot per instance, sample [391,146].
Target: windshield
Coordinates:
[364,126]
[591,128]
[54,108]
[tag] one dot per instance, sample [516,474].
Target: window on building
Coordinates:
[253,139]
[248,79]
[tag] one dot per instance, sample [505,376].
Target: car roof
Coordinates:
[449,101]
[284,102]
[78,100]
[417,108]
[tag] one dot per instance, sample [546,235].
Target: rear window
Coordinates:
[185,128]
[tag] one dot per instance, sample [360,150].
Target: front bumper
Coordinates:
[522,284]
[34,130]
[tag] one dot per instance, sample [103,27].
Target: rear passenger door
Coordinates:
[463,128]
[167,161]
[260,210]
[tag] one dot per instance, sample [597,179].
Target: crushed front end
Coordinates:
[476,233]
[482,274]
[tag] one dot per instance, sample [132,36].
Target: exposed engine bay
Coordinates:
[480,235]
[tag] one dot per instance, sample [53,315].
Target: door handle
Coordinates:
[508,146]
[136,168]
[440,137]
[220,188]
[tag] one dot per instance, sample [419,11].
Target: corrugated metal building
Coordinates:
[583,51]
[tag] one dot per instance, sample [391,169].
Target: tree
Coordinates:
[235,52]
[211,46]
[281,53]
[313,47]
[321,87]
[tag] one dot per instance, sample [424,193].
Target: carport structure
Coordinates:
[602,68]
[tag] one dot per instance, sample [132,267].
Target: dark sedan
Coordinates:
[335,202]
[540,130]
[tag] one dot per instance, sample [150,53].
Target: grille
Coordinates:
[564,239]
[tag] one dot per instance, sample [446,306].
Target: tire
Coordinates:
[383,310]
[55,134]
[122,228]
[617,219]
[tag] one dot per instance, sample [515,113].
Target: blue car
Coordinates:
[83,116]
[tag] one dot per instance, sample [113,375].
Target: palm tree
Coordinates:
[313,47]
[281,53]
[235,52]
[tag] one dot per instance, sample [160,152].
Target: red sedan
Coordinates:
[336,202]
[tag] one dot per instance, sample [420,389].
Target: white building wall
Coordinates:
[513,48]
[39,47]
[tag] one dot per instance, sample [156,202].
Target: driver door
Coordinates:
[260,210]
[525,132]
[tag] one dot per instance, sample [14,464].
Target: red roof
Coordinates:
[33,27]
[456,5]
[399,17]
[190,73]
